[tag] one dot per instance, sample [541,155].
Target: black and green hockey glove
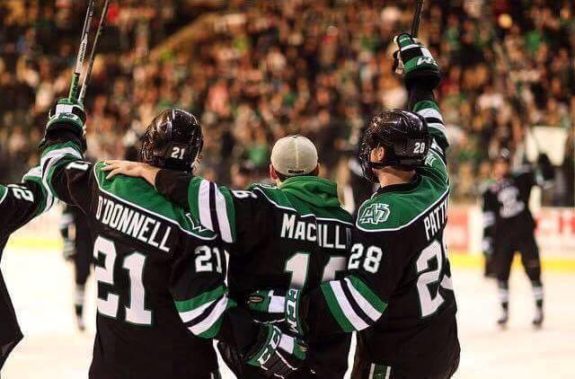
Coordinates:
[66,117]
[277,353]
[277,306]
[419,66]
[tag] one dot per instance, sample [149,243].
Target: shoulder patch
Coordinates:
[374,214]
[430,159]
[393,211]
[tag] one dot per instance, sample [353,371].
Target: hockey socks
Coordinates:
[538,296]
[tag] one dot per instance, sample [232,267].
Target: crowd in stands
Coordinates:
[268,68]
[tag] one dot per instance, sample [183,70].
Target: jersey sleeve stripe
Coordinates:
[365,305]
[51,159]
[430,111]
[354,304]
[335,308]
[231,213]
[431,115]
[47,201]
[213,211]
[209,296]
[346,307]
[425,104]
[203,204]
[222,215]
[205,312]
[195,313]
[437,149]
[206,328]
[437,126]
[368,294]
[3,193]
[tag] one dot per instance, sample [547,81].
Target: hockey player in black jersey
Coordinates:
[78,247]
[509,227]
[19,203]
[397,292]
[160,274]
[292,234]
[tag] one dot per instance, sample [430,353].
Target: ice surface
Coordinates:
[41,284]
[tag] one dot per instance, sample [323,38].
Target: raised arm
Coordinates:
[421,77]
[64,172]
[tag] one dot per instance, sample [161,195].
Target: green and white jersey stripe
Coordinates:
[216,207]
[3,193]
[429,110]
[52,157]
[213,206]
[352,303]
[35,175]
[203,314]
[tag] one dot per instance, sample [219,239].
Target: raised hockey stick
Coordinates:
[88,73]
[416,18]
[74,86]
[516,98]
[398,66]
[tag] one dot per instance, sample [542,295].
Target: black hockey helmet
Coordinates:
[404,136]
[172,140]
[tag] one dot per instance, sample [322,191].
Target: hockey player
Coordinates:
[397,292]
[78,247]
[294,234]
[510,227]
[154,263]
[19,203]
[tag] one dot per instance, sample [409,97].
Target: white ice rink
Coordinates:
[41,286]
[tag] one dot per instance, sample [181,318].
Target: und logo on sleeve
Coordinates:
[375,214]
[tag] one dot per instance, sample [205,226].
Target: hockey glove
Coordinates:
[277,353]
[277,306]
[546,170]
[67,116]
[487,245]
[419,66]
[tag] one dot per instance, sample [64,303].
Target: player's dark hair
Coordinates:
[283,177]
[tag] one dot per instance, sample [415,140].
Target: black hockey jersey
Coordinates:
[19,203]
[160,276]
[506,211]
[398,291]
[295,235]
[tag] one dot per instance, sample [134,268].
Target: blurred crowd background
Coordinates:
[257,70]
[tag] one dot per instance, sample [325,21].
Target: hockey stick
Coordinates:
[501,55]
[398,66]
[74,89]
[516,98]
[88,73]
[416,18]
